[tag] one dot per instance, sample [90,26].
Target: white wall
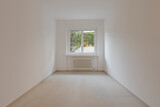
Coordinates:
[61,33]
[132,47]
[27,46]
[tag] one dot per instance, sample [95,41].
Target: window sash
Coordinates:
[82,40]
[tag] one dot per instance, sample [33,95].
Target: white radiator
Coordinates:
[84,63]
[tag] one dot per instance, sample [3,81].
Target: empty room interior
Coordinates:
[79,53]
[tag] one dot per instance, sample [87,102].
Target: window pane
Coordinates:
[75,41]
[88,41]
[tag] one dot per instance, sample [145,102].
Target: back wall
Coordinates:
[61,33]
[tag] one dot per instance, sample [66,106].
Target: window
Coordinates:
[81,42]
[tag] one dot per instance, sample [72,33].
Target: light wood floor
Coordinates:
[78,89]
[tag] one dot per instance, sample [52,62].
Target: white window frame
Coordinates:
[68,53]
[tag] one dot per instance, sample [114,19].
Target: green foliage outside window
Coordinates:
[75,40]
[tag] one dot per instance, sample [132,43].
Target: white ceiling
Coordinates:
[78,9]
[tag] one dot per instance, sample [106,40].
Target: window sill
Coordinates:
[81,54]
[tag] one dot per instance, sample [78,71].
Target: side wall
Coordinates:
[132,47]
[27,46]
[61,30]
